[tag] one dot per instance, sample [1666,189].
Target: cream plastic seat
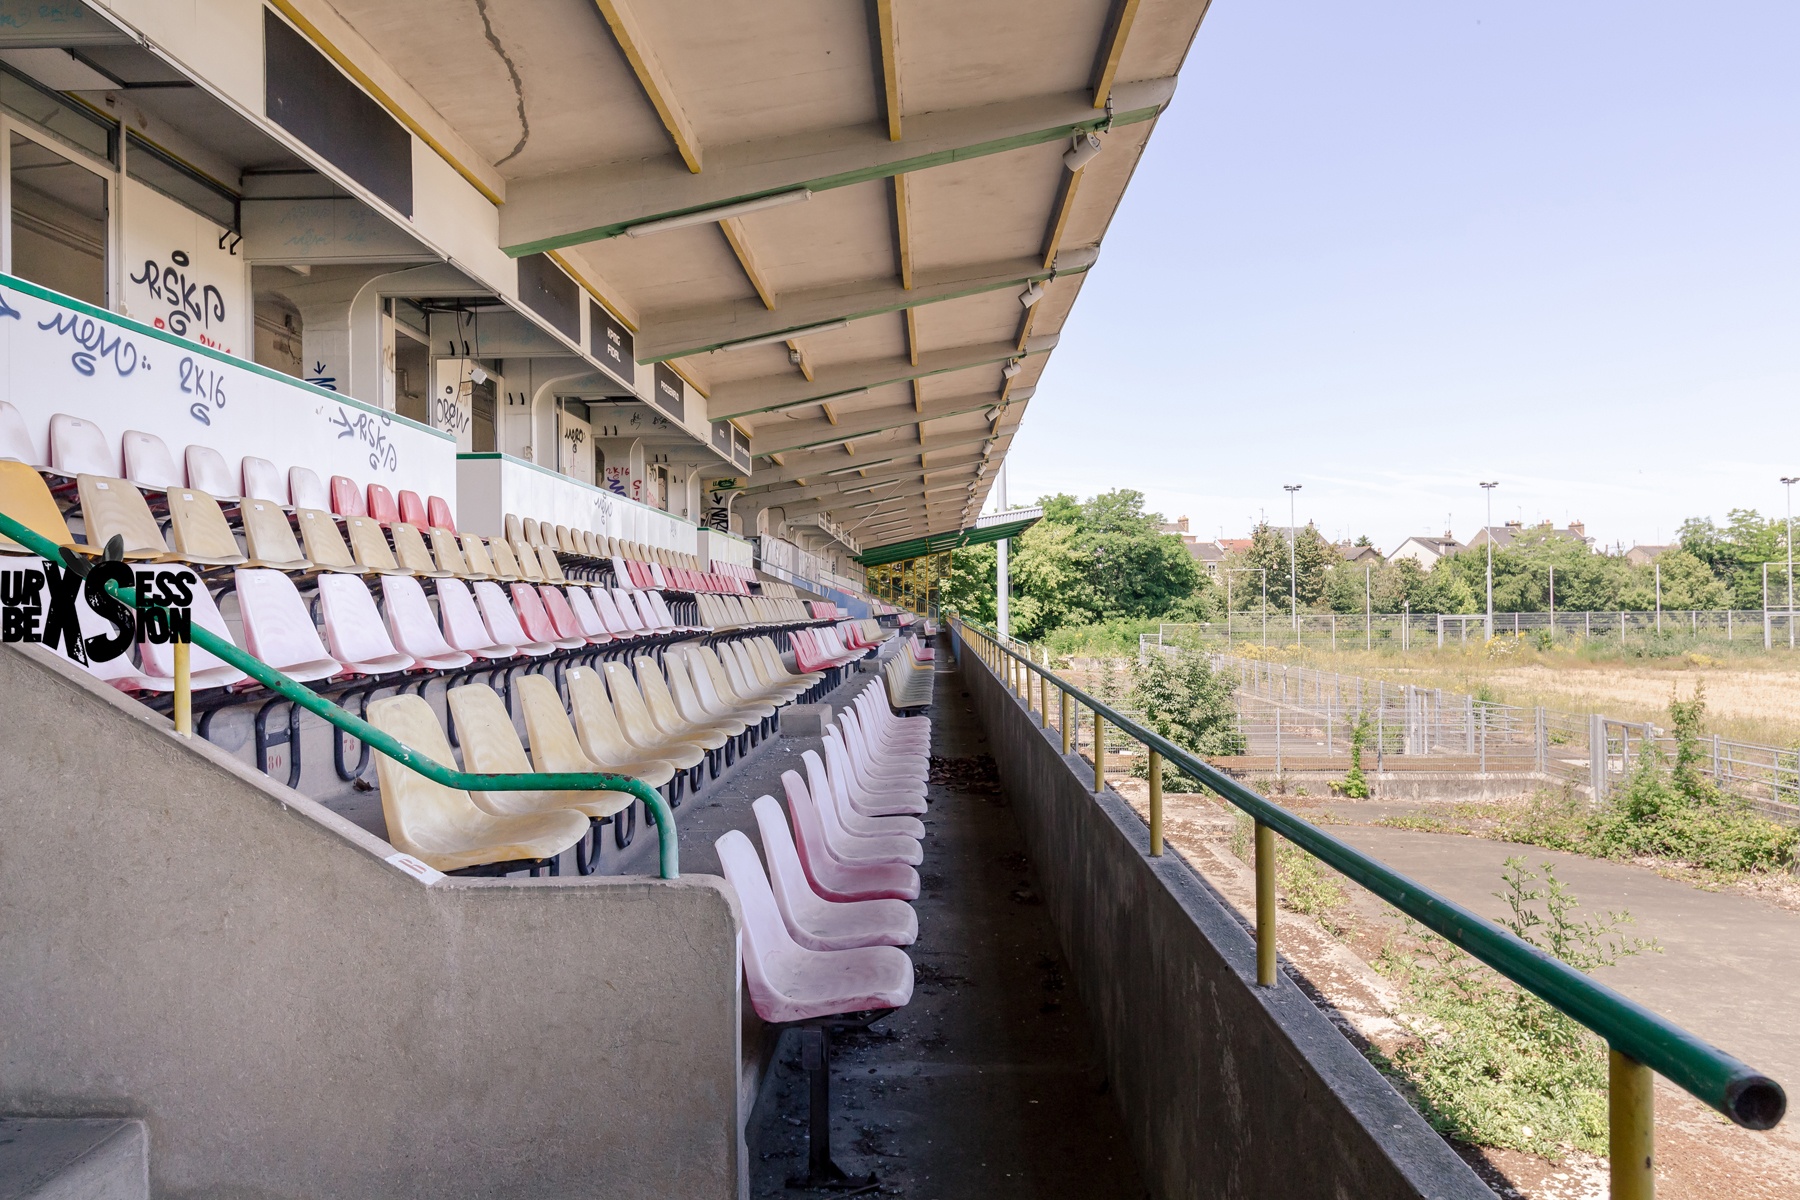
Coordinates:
[753,681]
[490,746]
[721,682]
[411,554]
[370,547]
[481,566]
[200,531]
[413,628]
[26,498]
[449,555]
[530,569]
[691,703]
[148,462]
[269,538]
[640,728]
[442,826]
[555,747]
[597,727]
[263,480]
[16,442]
[511,529]
[553,572]
[506,567]
[113,507]
[324,544]
[208,471]
[77,447]
[529,534]
[307,490]
[654,688]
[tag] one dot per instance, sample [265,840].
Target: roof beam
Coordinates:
[774,393]
[806,435]
[594,203]
[766,494]
[630,36]
[887,34]
[733,229]
[820,464]
[679,333]
[1112,48]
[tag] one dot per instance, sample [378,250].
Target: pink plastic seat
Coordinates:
[563,620]
[852,820]
[77,447]
[277,627]
[354,629]
[609,613]
[895,770]
[503,621]
[347,498]
[205,670]
[437,514]
[381,506]
[880,724]
[536,619]
[413,629]
[647,613]
[263,480]
[830,877]
[307,489]
[850,791]
[16,442]
[850,848]
[787,981]
[582,604]
[148,462]
[464,628]
[208,471]
[412,509]
[815,922]
[628,612]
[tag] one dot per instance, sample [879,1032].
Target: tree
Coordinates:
[1313,556]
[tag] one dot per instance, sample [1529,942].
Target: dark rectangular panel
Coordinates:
[721,437]
[740,447]
[308,96]
[666,394]
[552,295]
[611,343]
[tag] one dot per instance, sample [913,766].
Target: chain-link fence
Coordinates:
[1771,628]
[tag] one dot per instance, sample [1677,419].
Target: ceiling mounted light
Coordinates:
[478,376]
[785,335]
[1034,291]
[1011,369]
[724,212]
[1078,156]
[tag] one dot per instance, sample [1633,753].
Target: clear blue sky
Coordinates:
[1387,250]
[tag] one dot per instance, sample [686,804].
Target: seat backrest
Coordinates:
[609,612]
[307,490]
[562,617]
[475,553]
[437,513]
[463,626]
[277,627]
[530,531]
[511,529]
[262,480]
[370,545]
[787,877]
[208,471]
[554,746]
[627,611]
[552,569]
[489,740]
[412,509]
[16,442]
[628,703]
[113,506]
[525,554]
[409,620]
[421,813]
[596,722]
[77,447]
[159,660]
[565,541]
[347,497]
[657,698]
[581,601]
[410,551]
[506,567]
[26,498]
[148,462]
[324,544]
[766,935]
[199,527]
[354,629]
[531,612]
[381,506]
[809,831]
[502,621]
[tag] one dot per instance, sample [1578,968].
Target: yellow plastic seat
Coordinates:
[411,554]
[269,538]
[525,554]
[475,551]
[654,688]
[202,534]
[506,567]
[555,746]
[530,531]
[324,544]
[448,554]
[442,826]
[513,531]
[565,540]
[490,745]
[26,498]
[640,728]
[597,727]
[553,572]
[112,507]
[692,700]
[370,547]
[728,690]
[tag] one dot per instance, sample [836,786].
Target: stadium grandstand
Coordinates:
[451,746]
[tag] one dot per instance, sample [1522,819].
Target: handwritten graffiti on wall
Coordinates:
[195,309]
[621,482]
[448,412]
[319,378]
[372,429]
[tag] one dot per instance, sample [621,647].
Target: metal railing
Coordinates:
[669,857]
[1640,1042]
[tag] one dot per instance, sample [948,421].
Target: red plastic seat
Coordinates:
[347,498]
[830,877]
[412,509]
[437,510]
[381,505]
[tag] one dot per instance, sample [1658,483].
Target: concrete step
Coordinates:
[73,1159]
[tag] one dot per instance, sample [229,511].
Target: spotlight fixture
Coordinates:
[478,375]
[785,335]
[1011,369]
[707,216]
[794,355]
[1034,291]
[1080,154]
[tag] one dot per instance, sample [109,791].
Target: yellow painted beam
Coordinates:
[733,228]
[830,416]
[918,395]
[903,228]
[890,64]
[630,36]
[805,364]
[1059,221]
[1112,48]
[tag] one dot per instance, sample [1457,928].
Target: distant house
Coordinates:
[1643,556]
[1357,554]
[1178,526]
[1210,556]
[1503,535]
[1236,545]
[1425,549]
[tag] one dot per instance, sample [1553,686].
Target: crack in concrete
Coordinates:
[487,27]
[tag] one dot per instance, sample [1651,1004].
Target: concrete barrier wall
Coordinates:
[292,1016]
[1227,1089]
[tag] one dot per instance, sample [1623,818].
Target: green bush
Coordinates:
[1184,700]
[1355,785]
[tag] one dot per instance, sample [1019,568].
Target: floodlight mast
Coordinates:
[1293,572]
[1489,489]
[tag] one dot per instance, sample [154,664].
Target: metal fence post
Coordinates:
[1156,804]
[1099,753]
[1631,1128]
[1065,723]
[1265,905]
[1597,756]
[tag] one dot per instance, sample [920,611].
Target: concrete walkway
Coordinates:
[1730,967]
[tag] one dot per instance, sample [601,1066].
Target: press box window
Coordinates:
[59,221]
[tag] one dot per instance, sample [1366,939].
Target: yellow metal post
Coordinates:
[1099,753]
[1631,1128]
[1156,841]
[1265,905]
[1044,691]
[1065,722]
[184,692]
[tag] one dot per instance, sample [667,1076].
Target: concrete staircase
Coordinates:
[77,1159]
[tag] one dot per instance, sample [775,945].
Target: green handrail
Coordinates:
[417,760]
[1747,1096]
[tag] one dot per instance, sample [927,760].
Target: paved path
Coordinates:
[1730,967]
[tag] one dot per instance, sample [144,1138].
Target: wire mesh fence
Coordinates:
[1772,628]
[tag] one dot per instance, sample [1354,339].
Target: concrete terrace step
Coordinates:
[74,1159]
